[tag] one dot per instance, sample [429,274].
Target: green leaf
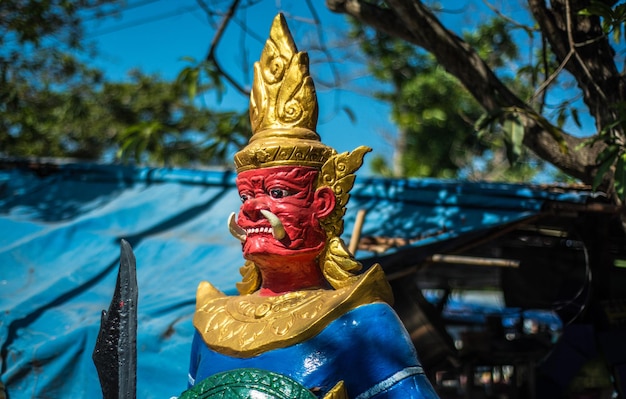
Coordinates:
[576,117]
[514,134]
[560,120]
[349,113]
[617,33]
[484,122]
[187,80]
[606,160]
[598,8]
[620,177]
[434,114]
[586,142]
[609,152]
[192,84]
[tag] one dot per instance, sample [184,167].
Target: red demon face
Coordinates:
[281,212]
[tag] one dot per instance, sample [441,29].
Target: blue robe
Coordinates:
[367,347]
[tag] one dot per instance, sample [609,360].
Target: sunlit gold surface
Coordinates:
[337,392]
[338,173]
[283,108]
[247,325]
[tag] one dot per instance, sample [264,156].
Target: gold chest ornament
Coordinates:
[247,325]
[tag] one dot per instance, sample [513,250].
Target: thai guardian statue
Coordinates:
[306,324]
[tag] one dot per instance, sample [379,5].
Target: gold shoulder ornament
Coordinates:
[247,325]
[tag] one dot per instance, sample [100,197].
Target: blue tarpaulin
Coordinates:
[60,229]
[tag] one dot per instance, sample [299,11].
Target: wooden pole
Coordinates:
[356,231]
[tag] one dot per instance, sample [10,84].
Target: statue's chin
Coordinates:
[263,248]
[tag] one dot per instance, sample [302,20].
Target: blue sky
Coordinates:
[156,36]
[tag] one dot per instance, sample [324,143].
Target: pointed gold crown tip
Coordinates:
[283,108]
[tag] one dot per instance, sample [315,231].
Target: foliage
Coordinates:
[146,118]
[568,71]
[154,121]
[614,154]
[52,104]
[36,22]
[438,136]
[613,18]
[37,47]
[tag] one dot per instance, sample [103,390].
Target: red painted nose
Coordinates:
[252,209]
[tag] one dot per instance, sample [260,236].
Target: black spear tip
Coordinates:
[115,353]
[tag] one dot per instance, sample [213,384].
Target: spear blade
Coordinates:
[115,353]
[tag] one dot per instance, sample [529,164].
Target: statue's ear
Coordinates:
[324,201]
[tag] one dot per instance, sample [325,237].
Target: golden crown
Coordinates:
[283,108]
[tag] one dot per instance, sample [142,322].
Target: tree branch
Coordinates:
[210,57]
[594,68]
[412,21]
[378,18]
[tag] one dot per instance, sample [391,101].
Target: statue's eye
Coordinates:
[278,193]
[244,197]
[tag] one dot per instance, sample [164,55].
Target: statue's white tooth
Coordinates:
[278,231]
[235,229]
